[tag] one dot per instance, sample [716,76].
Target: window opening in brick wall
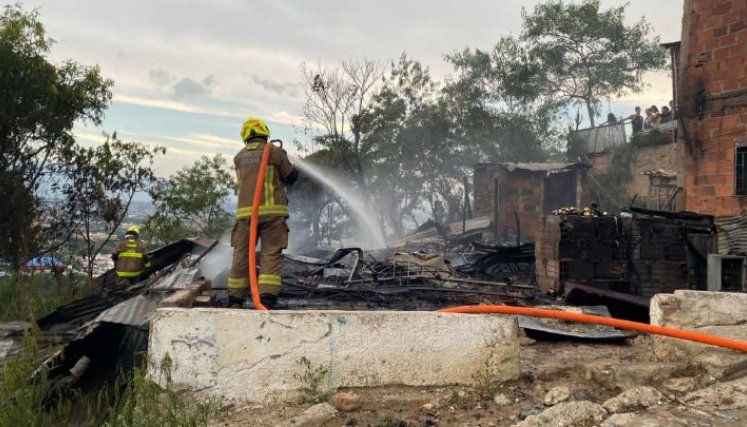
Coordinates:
[741,172]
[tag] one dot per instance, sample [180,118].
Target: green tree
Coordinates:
[499,104]
[39,103]
[590,54]
[192,201]
[100,183]
[408,145]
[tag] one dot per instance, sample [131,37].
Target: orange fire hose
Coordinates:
[606,321]
[253,223]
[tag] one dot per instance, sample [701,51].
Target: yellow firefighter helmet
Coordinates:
[254,127]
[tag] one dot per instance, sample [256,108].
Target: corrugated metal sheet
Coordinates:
[602,138]
[136,311]
[569,329]
[179,279]
[11,335]
[72,315]
[474,224]
[540,167]
[432,234]
[732,234]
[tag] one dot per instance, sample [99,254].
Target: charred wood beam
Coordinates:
[185,297]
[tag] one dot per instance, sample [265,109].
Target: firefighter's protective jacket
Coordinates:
[131,258]
[280,171]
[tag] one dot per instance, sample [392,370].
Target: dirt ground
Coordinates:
[590,371]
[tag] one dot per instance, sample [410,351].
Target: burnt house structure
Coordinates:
[625,258]
[515,196]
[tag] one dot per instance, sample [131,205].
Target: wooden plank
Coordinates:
[203,301]
[186,297]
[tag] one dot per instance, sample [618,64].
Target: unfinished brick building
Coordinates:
[515,196]
[713,106]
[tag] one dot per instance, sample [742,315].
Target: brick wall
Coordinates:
[600,163]
[519,191]
[713,102]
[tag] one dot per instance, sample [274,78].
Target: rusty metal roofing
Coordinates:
[536,166]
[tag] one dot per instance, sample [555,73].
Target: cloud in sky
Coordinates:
[161,77]
[202,67]
[293,89]
[187,88]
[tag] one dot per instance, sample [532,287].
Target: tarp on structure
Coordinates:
[44,262]
[602,138]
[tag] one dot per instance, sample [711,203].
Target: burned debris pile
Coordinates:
[412,280]
[640,254]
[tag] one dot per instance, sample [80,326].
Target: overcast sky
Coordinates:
[188,72]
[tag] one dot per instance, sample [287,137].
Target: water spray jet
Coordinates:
[374,238]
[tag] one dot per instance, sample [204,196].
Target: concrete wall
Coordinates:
[713,102]
[669,157]
[258,357]
[717,313]
[647,158]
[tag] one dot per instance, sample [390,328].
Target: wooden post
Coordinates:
[464,210]
[495,209]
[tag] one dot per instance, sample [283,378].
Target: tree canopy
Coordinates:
[408,142]
[192,201]
[590,54]
[39,103]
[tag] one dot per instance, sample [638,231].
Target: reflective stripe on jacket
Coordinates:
[131,258]
[274,200]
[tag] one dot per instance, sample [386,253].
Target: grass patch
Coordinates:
[25,392]
[30,297]
[313,378]
[487,383]
[27,398]
[142,402]
[461,400]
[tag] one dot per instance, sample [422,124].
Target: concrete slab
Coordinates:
[694,309]
[247,356]
[715,313]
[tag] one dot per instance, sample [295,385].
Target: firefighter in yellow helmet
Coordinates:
[272,229]
[130,257]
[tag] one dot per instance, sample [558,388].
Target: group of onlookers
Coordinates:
[653,117]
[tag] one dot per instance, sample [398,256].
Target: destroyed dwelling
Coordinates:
[363,321]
